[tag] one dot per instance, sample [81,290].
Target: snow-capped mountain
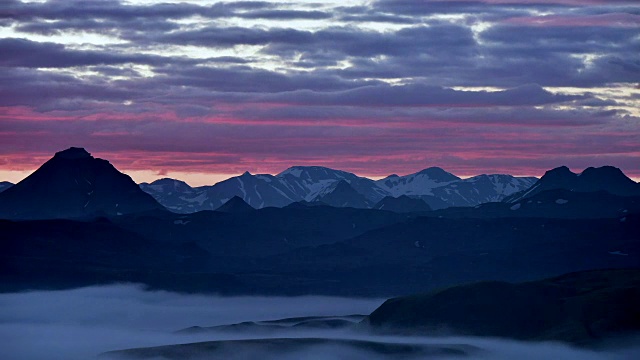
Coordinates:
[175,195]
[299,183]
[310,182]
[441,189]
[418,184]
[481,189]
[436,187]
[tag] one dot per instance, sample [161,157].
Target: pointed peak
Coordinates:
[245,174]
[73,153]
[235,205]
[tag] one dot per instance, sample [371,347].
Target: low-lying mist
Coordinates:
[82,323]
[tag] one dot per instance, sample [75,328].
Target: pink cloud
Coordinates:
[402,144]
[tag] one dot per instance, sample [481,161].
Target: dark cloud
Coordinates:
[31,54]
[275,14]
[416,95]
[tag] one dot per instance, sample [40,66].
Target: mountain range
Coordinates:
[332,241]
[434,186]
[73,184]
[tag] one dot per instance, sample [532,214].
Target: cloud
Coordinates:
[416,95]
[370,87]
[25,53]
[81,323]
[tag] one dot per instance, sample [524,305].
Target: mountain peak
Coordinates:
[74,184]
[559,171]
[605,178]
[73,153]
[312,172]
[168,181]
[438,174]
[235,205]
[602,171]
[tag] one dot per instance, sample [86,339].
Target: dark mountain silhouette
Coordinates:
[60,253]
[433,252]
[235,205]
[577,308]
[606,178]
[402,204]
[74,184]
[261,232]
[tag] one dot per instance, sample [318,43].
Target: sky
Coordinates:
[203,90]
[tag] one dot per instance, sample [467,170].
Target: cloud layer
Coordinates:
[375,88]
[81,323]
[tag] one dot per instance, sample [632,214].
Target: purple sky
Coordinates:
[202,90]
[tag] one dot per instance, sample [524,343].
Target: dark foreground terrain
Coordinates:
[580,308]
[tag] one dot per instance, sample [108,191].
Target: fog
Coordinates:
[82,323]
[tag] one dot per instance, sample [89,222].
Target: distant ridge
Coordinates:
[436,187]
[74,184]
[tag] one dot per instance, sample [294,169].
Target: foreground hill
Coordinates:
[579,308]
[74,184]
[54,254]
[310,250]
